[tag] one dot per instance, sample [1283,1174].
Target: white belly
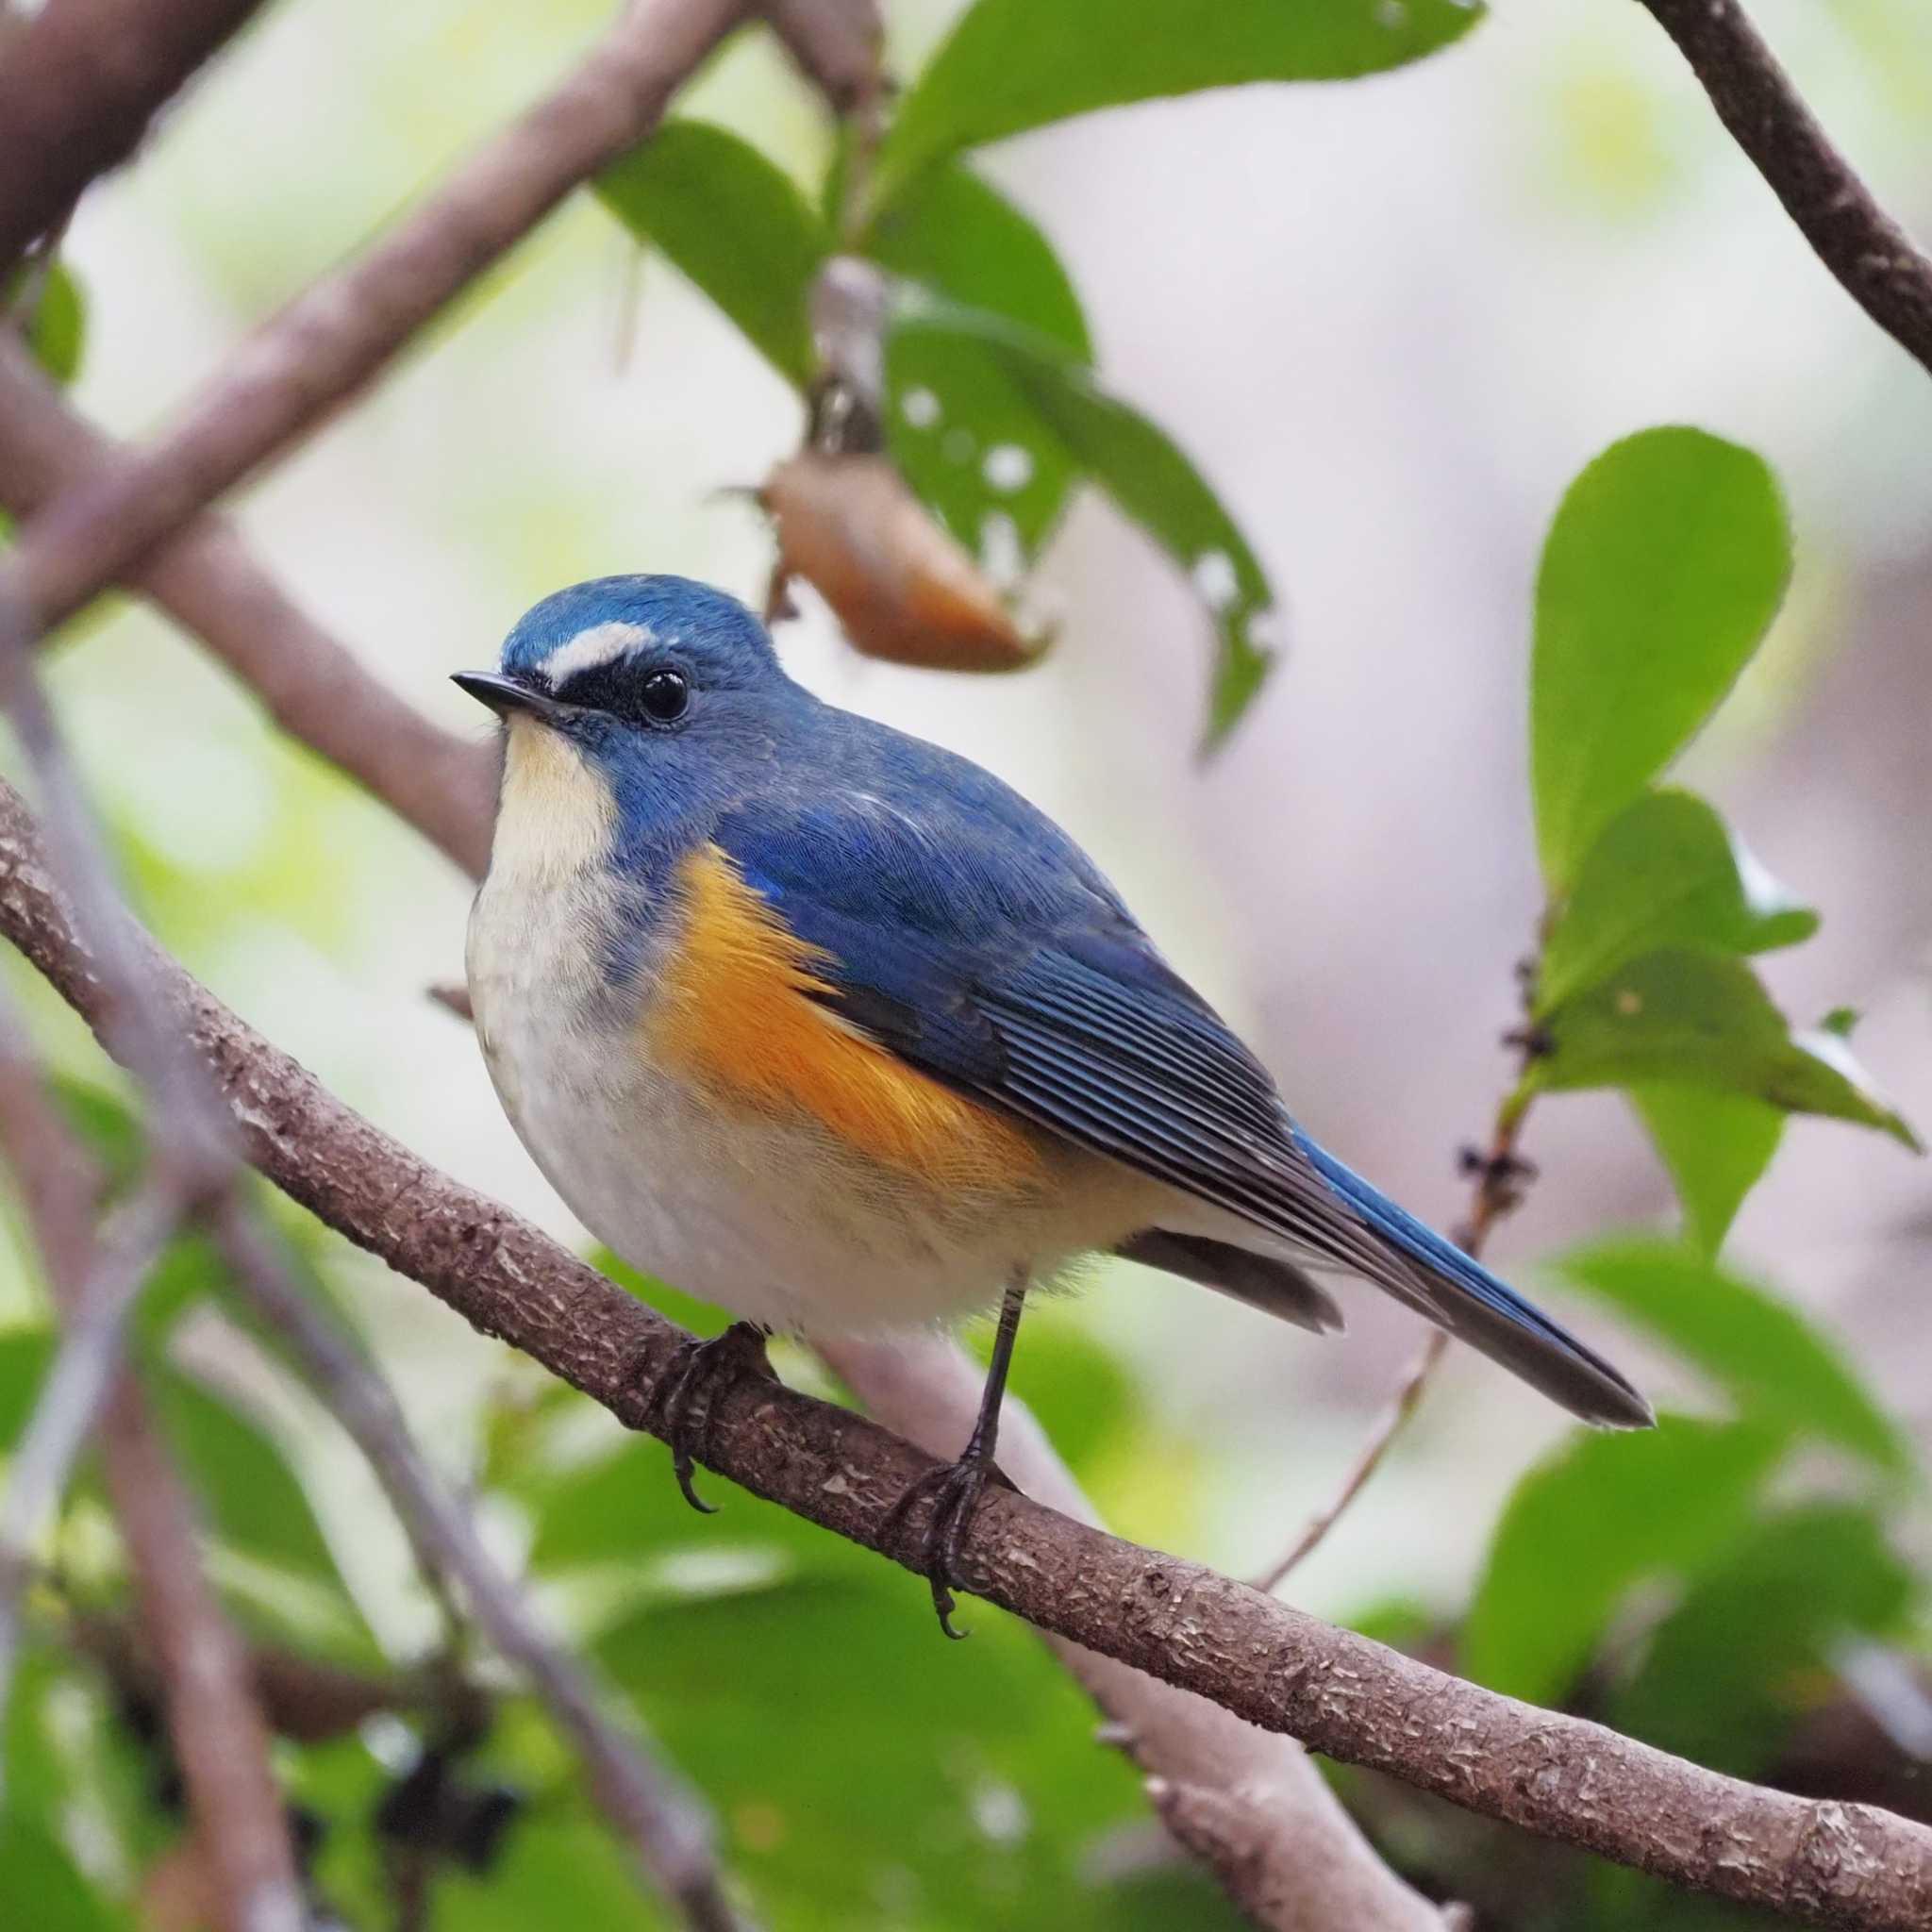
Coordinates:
[766,1218]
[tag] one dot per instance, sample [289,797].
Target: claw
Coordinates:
[686,1388]
[955,1491]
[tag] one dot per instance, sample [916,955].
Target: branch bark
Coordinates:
[79,85]
[1841,1865]
[340,333]
[1872,256]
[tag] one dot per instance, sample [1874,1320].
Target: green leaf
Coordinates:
[1667,560]
[986,386]
[1761,1351]
[735,224]
[25,1356]
[982,1795]
[1716,1147]
[1704,1021]
[1664,872]
[958,236]
[251,1495]
[1009,65]
[1726,1672]
[57,331]
[36,1875]
[1602,1514]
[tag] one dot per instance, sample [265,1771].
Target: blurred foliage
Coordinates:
[1700,1587]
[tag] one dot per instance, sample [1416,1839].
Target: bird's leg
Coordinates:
[956,1488]
[684,1393]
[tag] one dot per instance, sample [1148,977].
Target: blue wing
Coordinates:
[971,937]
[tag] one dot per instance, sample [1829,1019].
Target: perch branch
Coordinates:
[1563,1777]
[1872,256]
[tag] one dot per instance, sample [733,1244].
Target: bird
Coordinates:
[829,1027]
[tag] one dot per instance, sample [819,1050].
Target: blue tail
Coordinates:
[1462,1296]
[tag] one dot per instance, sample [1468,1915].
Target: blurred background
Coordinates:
[1389,320]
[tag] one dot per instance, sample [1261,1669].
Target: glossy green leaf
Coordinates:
[1772,1363]
[735,224]
[40,1881]
[1666,562]
[965,389]
[1704,1021]
[957,235]
[250,1493]
[1664,872]
[1745,1652]
[1605,1513]
[1009,65]
[1716,1147]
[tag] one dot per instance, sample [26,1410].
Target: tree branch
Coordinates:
[79,85]
[1246,1802]
[1843,1865]
[338,335]
[1873,259]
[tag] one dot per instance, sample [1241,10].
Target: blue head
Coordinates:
[664,694]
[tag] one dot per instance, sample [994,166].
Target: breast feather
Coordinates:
[735,1009]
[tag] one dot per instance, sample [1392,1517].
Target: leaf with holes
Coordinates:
[1664,872]
[1664,566]
[1009,65]
[1701,1020]
[732,223]
[989,424]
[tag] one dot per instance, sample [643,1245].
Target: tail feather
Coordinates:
[1442,1283]
[1276,1286]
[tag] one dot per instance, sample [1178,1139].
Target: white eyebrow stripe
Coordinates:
[601,643]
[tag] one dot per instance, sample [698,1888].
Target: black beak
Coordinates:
[504,695]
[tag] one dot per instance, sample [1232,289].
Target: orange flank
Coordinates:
[733,1011]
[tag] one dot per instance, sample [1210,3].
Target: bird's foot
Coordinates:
[953,1491]
[686,1390]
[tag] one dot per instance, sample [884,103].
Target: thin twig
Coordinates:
[339,334]
[1872,256]
[668,1828]
[1564,1777]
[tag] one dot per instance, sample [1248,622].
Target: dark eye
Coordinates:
[665,696]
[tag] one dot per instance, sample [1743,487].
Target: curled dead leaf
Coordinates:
[905,591]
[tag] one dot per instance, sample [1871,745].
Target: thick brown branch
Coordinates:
[1872,256]
[207,579]
[1843,1865]
[79,84]
[337,336]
